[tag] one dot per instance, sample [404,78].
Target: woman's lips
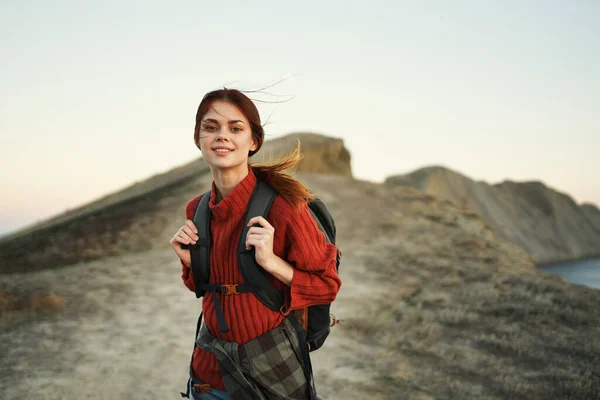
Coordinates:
[222,152]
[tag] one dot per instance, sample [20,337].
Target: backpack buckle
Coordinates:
[333,320]
[284,310]
[201,388]
[229,290]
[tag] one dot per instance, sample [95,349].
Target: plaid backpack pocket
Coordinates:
[273,363]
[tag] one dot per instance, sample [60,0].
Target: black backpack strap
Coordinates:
[200,258]
[187,386]
[323,218]
[304,351]
[260,203]
[200,252]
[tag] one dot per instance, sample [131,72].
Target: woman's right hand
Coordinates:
[187,234]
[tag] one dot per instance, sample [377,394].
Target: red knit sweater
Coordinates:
[297,240]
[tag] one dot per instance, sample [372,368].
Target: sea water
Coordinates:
[586,272]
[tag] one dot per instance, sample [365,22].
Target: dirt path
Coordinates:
[126,331]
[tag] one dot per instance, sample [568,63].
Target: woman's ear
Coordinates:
[254,144]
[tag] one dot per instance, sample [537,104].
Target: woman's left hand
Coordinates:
[262,240]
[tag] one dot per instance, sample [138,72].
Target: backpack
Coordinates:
[315,320]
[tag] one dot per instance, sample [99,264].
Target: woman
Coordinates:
[287,243]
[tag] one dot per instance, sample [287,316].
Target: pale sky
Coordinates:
[98,95]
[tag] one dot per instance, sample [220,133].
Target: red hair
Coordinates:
[289,188]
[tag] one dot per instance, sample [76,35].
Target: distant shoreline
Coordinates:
[567,260]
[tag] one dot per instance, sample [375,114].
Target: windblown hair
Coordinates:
[272,173]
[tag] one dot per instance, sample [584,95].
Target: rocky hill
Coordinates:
[592,213]
[434,305]
[545,222]
[139,216]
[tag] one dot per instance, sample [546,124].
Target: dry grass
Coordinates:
[482,323]
[495,337]
[47,302]
[20,302]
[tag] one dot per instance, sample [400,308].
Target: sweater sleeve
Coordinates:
[315,279]
[186,273]
[188,277]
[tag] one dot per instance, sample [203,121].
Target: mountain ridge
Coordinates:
[548,223]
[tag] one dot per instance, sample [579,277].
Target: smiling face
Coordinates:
[225,137]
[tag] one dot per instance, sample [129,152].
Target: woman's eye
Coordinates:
[210,128]
[236,129]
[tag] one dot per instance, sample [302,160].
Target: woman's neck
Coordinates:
[227,180]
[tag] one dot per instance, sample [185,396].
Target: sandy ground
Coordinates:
[126,331]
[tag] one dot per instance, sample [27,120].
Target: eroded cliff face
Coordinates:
[593,214]
[321,154]
[547,223]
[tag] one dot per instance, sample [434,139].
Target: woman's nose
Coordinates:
[221,134]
